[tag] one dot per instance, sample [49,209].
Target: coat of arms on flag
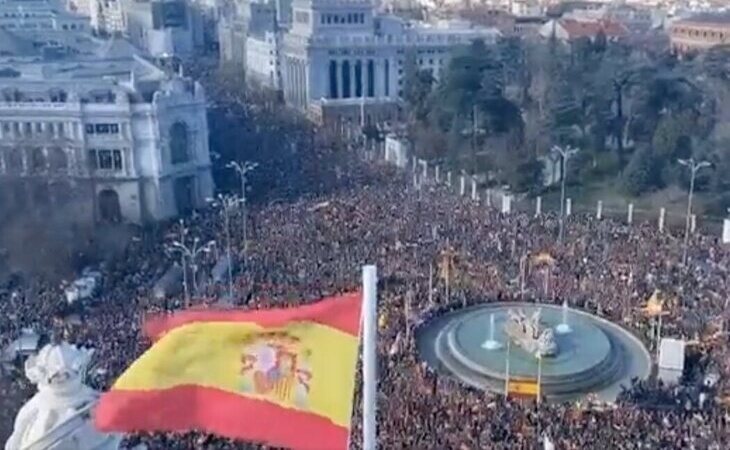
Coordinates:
[276,366]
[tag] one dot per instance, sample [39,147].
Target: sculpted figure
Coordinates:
[529,334]
[58,416]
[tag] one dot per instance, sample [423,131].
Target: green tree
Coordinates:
[643,173]
[418,86]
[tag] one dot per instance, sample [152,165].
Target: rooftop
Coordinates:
[707,19]
[589,28]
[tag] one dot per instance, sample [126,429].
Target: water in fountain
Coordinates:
[563,327]
[491,343]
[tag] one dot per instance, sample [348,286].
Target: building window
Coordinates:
[117,159]
[105,159]
[179,151]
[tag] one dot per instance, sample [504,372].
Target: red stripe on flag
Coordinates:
[185,408]
[342,313]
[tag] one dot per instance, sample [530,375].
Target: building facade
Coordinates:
[107,16]
[109,134]
[160,28]
[699,33]
[263,45]
[342,54]
[46,25]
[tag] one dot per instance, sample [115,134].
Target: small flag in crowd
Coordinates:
[654,306]
[284,377]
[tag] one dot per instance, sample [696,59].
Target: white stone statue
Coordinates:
[529,333]
[58,416]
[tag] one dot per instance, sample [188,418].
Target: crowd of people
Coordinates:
[303,249]
[307,249]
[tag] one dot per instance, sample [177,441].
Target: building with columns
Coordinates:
[341,54]
[107,135]
[699,32]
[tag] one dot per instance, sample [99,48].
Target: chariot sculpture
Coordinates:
[529,334]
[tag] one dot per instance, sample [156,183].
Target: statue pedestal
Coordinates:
[59,415]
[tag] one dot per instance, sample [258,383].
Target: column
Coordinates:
[345,76]
[538,206]
[353,92]
[568,206]
[24,160]
[300,81]
[305,69]
[599,210]
[332,77]
[386,78]
[371,77]
[288,93]
[366,78]
[360,78]
[378,72]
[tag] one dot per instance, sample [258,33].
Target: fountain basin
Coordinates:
[597,356]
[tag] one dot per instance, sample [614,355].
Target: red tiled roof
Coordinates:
[579,28]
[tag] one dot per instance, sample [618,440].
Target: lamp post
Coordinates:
[191,253]
[243,169]
[171,248]
[694,167]
[565,154]
[226,203]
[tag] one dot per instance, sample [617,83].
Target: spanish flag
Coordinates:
[283,377]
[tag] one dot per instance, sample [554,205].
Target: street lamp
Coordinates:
[243,169]
[694,167]
[226,203]
[190,253]
[565,154]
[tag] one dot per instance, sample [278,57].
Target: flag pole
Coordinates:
[369,355]
[430,284]
[539,377]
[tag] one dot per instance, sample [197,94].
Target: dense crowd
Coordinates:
[305,249]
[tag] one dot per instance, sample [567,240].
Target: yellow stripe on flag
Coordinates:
[304,366]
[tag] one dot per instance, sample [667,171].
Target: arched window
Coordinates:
[37,160]
[57,159]
[179,152]
[14,160]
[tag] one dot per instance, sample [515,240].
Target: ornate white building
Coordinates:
[108,133]
[340,53]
